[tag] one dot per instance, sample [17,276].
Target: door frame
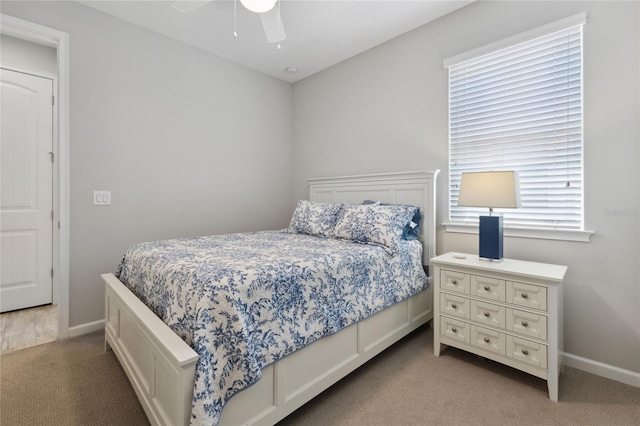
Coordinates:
[59,40]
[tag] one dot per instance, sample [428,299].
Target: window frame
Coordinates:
[567,234]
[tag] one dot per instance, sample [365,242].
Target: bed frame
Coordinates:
[161,366]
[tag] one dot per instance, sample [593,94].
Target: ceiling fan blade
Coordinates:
[187,6]
[272,23]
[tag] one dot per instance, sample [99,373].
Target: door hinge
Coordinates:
[53,100]
[52,215]
[51,272]
[52,155]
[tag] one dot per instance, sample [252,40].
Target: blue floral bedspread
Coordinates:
[244,301]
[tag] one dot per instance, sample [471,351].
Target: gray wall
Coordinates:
[189,144]
[386,110]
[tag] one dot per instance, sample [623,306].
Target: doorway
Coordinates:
[44,36]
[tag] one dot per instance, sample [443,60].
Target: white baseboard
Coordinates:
[87,328]
[604,370]
[590,366]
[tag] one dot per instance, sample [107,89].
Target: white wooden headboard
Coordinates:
[411,188]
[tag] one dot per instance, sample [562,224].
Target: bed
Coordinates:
[164,370]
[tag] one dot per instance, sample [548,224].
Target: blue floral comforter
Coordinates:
[244,301]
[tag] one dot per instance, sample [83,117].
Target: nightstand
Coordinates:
[508,311]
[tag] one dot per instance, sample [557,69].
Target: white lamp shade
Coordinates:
[489,189]
[258,6]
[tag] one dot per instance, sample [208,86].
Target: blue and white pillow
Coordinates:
[411,230]
[313,218]
[374,224]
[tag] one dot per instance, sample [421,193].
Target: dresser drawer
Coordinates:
[488,314]
[455,329]
[454,281]
[527,295]
[454,305]
[489,288]
[527,323]
[489,340]
[527,351]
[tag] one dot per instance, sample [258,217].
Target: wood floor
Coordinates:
[28,327]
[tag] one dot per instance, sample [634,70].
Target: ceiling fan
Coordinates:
[267,9]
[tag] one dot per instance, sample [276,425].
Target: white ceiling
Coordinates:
[320,33]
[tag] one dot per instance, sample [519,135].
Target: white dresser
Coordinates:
[509,311]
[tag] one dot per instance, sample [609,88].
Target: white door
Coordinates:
[26,191]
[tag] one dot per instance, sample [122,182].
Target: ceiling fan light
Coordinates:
[258,6]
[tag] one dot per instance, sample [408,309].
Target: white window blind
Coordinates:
[520,108]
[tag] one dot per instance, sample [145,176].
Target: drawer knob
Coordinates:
[454,282]
[486,288]
[524,323]
[487,340]
[486,314]
[455,330]
[525,295]
[454,306]
[525,352]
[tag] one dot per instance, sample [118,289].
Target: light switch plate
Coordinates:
[101,198]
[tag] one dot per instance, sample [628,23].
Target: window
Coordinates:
[520,108]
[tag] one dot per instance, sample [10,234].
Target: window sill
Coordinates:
[518,232]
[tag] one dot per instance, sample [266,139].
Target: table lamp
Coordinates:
[492,190]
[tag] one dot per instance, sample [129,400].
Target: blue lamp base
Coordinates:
[491,238]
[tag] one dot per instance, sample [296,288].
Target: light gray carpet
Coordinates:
[70,382]
[74,382]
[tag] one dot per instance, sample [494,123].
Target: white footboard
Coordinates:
[161,366]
